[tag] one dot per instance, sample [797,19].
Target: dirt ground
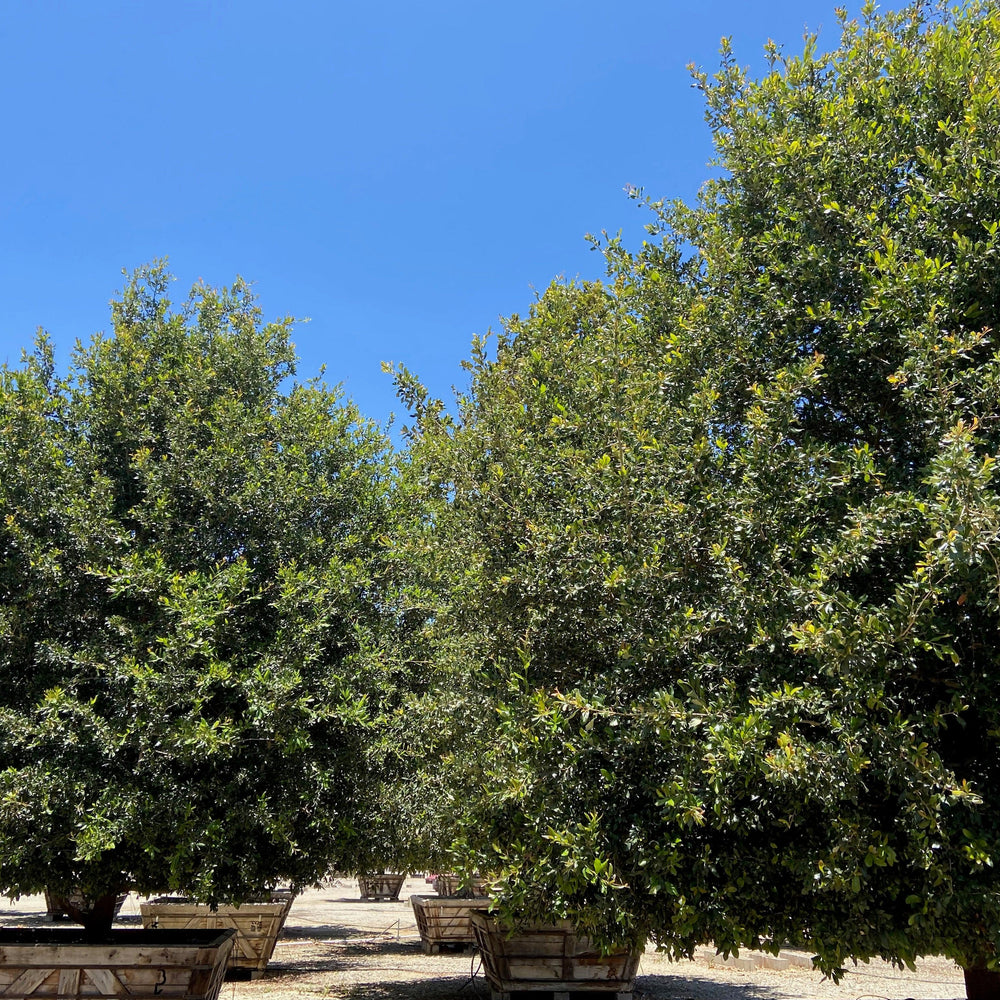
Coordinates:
[337,947]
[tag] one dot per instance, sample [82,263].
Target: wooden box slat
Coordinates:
[552,958]
[386,886]
[58,909]
[257,925]
[36,964]
[450,885]
[445,920]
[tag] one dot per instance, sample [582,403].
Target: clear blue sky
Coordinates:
[401,173]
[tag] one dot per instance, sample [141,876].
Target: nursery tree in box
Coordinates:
[190,608]
[723,535]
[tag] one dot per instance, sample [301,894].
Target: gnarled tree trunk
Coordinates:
[96,916]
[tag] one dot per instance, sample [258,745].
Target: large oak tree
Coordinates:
[716,543]
[191,608]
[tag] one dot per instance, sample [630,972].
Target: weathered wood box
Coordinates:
[383,886]
[444,920]
[143,965]
[552,958]
[449,885]
[257,926]
[57,907]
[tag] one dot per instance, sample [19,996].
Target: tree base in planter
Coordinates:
[257,926]
[982,984]
[382,887]
[143,965]
[552,958]
[444,920]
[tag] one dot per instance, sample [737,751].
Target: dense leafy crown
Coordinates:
[189,606]
[715,543]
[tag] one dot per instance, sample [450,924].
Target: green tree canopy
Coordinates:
[716,542]
[191,607]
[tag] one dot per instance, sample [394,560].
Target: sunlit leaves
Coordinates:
[193,613]
[713,544]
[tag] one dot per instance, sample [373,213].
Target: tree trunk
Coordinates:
[96,916]
[982,984]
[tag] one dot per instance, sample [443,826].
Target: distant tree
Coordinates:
[734,603]
[191,608]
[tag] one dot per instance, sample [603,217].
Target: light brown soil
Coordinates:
[336,947]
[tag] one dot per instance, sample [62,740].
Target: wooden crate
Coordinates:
[257,926]
[450,885]
[550,958]
[143,965]
[383,886]
[57,906]
[444,920]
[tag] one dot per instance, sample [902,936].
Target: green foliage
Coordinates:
[714,545]
[191,607]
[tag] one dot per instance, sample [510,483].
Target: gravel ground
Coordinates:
[335,946]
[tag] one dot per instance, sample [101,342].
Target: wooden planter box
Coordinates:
[257,926]
[552,958]
[381,886]
[56,906]
[48,962]
[450,885]
[444,920]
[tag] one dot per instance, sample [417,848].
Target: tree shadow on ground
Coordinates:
[321,932]
[295,967]
[336,958]
[688,987]
[476,988]
[376,946]
[438,988]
